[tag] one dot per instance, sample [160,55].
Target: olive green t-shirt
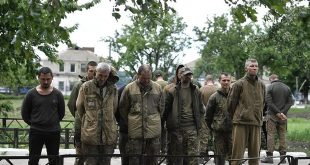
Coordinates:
[187,117]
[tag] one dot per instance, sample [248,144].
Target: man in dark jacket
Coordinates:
[183,110]
[219,121]
[279,100]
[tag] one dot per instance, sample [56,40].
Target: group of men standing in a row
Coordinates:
[145,110]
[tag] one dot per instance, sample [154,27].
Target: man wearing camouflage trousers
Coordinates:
[279,100]
[183,110]
[219,121]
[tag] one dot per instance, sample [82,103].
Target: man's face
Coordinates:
[225,82]
[91,72]
[252,68]
[45,80]
[145,77]
[186,78]
[102,76]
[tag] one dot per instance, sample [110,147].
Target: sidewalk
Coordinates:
[117,161]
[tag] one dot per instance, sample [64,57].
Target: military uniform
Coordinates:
[141,107]
[95,123]
[205,134]
[219,121]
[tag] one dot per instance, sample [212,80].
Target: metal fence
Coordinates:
[18,137]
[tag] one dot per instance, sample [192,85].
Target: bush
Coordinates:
[6,107]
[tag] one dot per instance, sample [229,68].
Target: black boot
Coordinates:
[268,158]
[282,157]
[219,161]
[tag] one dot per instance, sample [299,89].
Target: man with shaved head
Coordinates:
[141,106]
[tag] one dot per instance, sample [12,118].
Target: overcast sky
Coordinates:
[97,23]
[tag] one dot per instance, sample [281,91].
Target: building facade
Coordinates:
[73,66]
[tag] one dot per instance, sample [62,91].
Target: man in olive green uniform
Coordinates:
[142,104]
[95,123]
[159,79]
[183,110]
[205,135]
[279,100]
[90,71]
[219,121]
[245,104]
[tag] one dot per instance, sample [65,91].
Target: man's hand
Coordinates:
[77,140]
[281,116]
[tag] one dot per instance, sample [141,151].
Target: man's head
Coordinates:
[209,79]
[273,77]
[45,76]
[251,67]
[90,69]
[186,75]
[102,73]
[144,75]
[224,80]
[158,73]
[178,73]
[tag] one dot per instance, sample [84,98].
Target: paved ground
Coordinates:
[116,161]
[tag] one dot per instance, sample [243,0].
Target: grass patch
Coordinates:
[298,129]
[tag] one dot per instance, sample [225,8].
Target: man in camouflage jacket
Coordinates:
[95,123]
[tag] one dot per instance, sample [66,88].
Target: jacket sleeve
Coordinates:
[233,98]
[290,101]
[162,104]
[26,108]
[80,111]
[72,100]
[269,101]
[168,104]
[115,102]
[124,107]
[211,107]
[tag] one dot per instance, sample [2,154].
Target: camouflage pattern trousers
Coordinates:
[205,138]
[274,126]
[97,149]
[183,142]
[223,144]
[143,146]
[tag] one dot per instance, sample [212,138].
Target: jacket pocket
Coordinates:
[89,132]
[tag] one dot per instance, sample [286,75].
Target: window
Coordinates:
[61,85]
[71,83]
[72,68]
[61,67]
[83,67]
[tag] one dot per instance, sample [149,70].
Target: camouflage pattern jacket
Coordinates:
[246,101]
[217,116]
[95,122]
[142,109]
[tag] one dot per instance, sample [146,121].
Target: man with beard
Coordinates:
[43,108]
[95,123]
[183,110]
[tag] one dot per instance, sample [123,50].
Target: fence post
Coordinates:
[4,122]
[67,138]
[16,138]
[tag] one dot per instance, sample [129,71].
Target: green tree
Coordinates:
[286,47]
[28,28]
[225,46]
[145,42]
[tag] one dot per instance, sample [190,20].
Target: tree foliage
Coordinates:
[28,28]
[288,39]
[225,47]
[145,42]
